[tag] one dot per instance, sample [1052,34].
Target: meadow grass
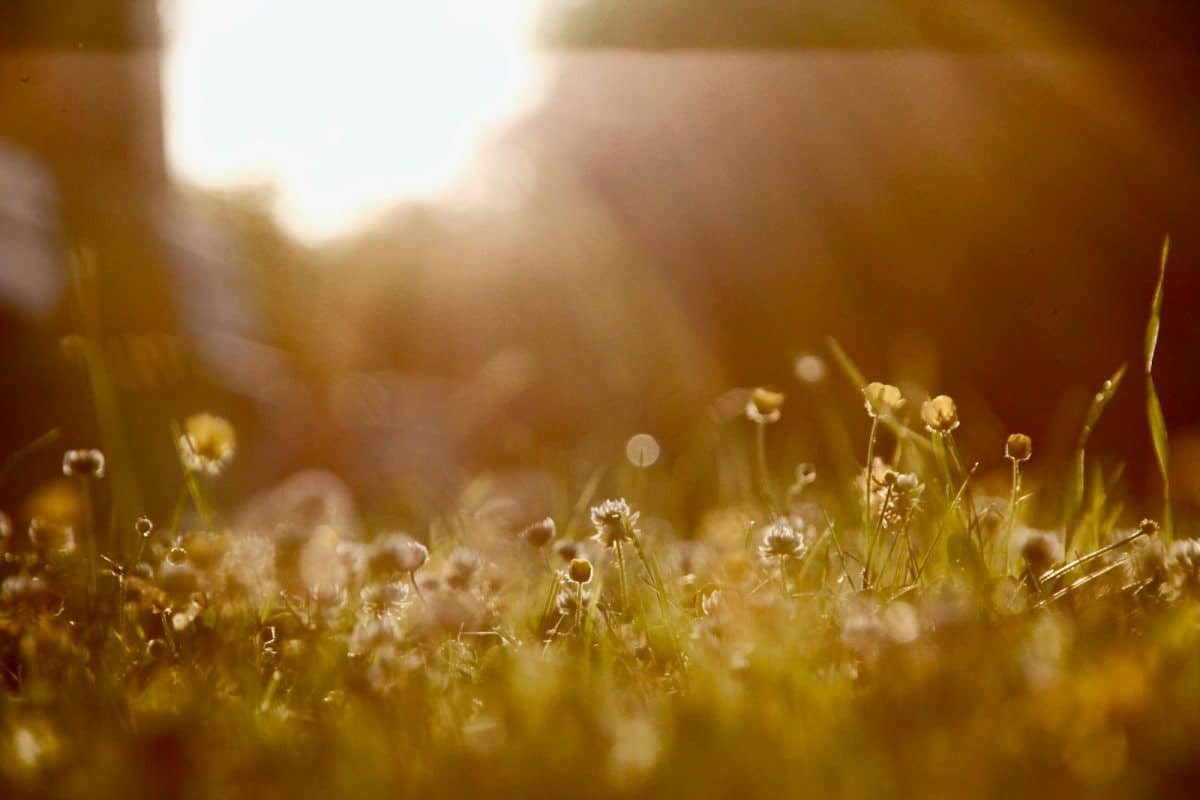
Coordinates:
[899,630]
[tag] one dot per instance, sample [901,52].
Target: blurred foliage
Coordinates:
[983,25]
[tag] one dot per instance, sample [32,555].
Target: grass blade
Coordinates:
[1075,477]
[1154,412]
[1156,304]
[847,364]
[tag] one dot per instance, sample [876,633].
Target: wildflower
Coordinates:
[1018,448]
[939,414]
[248,567]
[390,597]
[373,632]
[51,538]
[1147,562]
[780,540]
[764,406]
[806,475]
[1041,550]
[1184,559]
[614,522]
[83,464]
[539,533]
[882,399]
[396,552]
[894,495]
[208,444]
[464,563]
[566,549]
[580,570]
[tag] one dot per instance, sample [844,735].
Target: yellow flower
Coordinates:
[208,443]
[764,405]
[939,414]
[882,399]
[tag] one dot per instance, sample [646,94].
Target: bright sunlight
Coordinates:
[343,107]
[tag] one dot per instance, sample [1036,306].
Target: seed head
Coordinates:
[539,533]
[390,597]
[1041,551]
[882,399]
[83,464]
[1184,560]
[51,538]
[614,522]
[1018,448]
[1147,527]
[580,570]
[939,414]
[208,444]
[764,405]
[396,552]
[566,549]
[464,564]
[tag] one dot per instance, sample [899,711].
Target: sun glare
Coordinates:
[344,107]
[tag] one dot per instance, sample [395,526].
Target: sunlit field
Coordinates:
[895,630]
[533,398]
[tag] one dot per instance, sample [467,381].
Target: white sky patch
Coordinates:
[346,107]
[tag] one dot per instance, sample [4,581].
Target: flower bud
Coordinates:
[939,414]
[764,405]
[1018,448]
[882,399]
[579,570]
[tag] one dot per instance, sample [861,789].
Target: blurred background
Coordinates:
[409,241]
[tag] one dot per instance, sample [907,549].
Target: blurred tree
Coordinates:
[978,25]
